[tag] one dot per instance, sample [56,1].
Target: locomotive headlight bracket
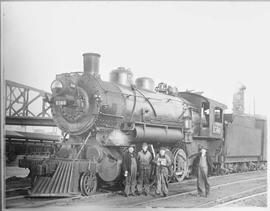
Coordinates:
[97,97]
[187,117]
[188,123]
[56,85]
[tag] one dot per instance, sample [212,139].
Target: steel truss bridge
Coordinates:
[25,105]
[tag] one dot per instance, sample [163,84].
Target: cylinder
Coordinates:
[91,63]
[109,168]
[157,135]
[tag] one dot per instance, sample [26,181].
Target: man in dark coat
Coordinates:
[130,171]
[144,164]
[202,166]
[163,162]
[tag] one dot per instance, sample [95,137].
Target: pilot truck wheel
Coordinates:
[88,183]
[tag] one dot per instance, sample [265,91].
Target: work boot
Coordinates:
[133,194]
[199,195]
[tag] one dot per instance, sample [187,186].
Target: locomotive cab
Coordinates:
[210,130]
[211,115]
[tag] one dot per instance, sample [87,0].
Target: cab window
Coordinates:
[205,114]
[218,114]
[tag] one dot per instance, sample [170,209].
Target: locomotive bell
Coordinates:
[91,63]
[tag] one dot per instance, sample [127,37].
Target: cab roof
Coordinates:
[197,99]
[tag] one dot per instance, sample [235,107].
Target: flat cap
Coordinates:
[144,144]
[162,148]
[204,147]
[132,145]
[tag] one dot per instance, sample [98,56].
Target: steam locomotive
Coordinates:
[100,119]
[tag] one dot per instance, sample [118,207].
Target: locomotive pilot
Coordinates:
[130,171]
[163,162]
[202,166]
[144,165]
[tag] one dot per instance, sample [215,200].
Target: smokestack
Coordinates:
[91,63]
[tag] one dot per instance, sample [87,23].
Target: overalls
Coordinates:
[162,175]
[131,178]
[202,180]
[144,159]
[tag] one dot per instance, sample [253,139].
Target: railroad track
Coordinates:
[15,193]
[194,191]
[220,202]
[29,203]
[241,199]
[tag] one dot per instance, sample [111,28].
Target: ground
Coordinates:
[235,190]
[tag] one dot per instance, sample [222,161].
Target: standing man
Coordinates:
[144,164]
[130,171]
[163,162]
[202,166]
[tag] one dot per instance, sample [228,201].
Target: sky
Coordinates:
[203,46]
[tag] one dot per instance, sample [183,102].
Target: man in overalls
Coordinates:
[202,166]
[144,163]
[163,161]
[130,171]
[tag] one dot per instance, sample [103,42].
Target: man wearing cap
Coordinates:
[130,170]
[202,166]
[163,161]
[144,163]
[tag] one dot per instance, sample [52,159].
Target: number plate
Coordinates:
[60,102]
[217,129]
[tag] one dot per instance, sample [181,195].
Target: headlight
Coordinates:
[56,85]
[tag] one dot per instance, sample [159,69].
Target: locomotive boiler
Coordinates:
[101,118]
